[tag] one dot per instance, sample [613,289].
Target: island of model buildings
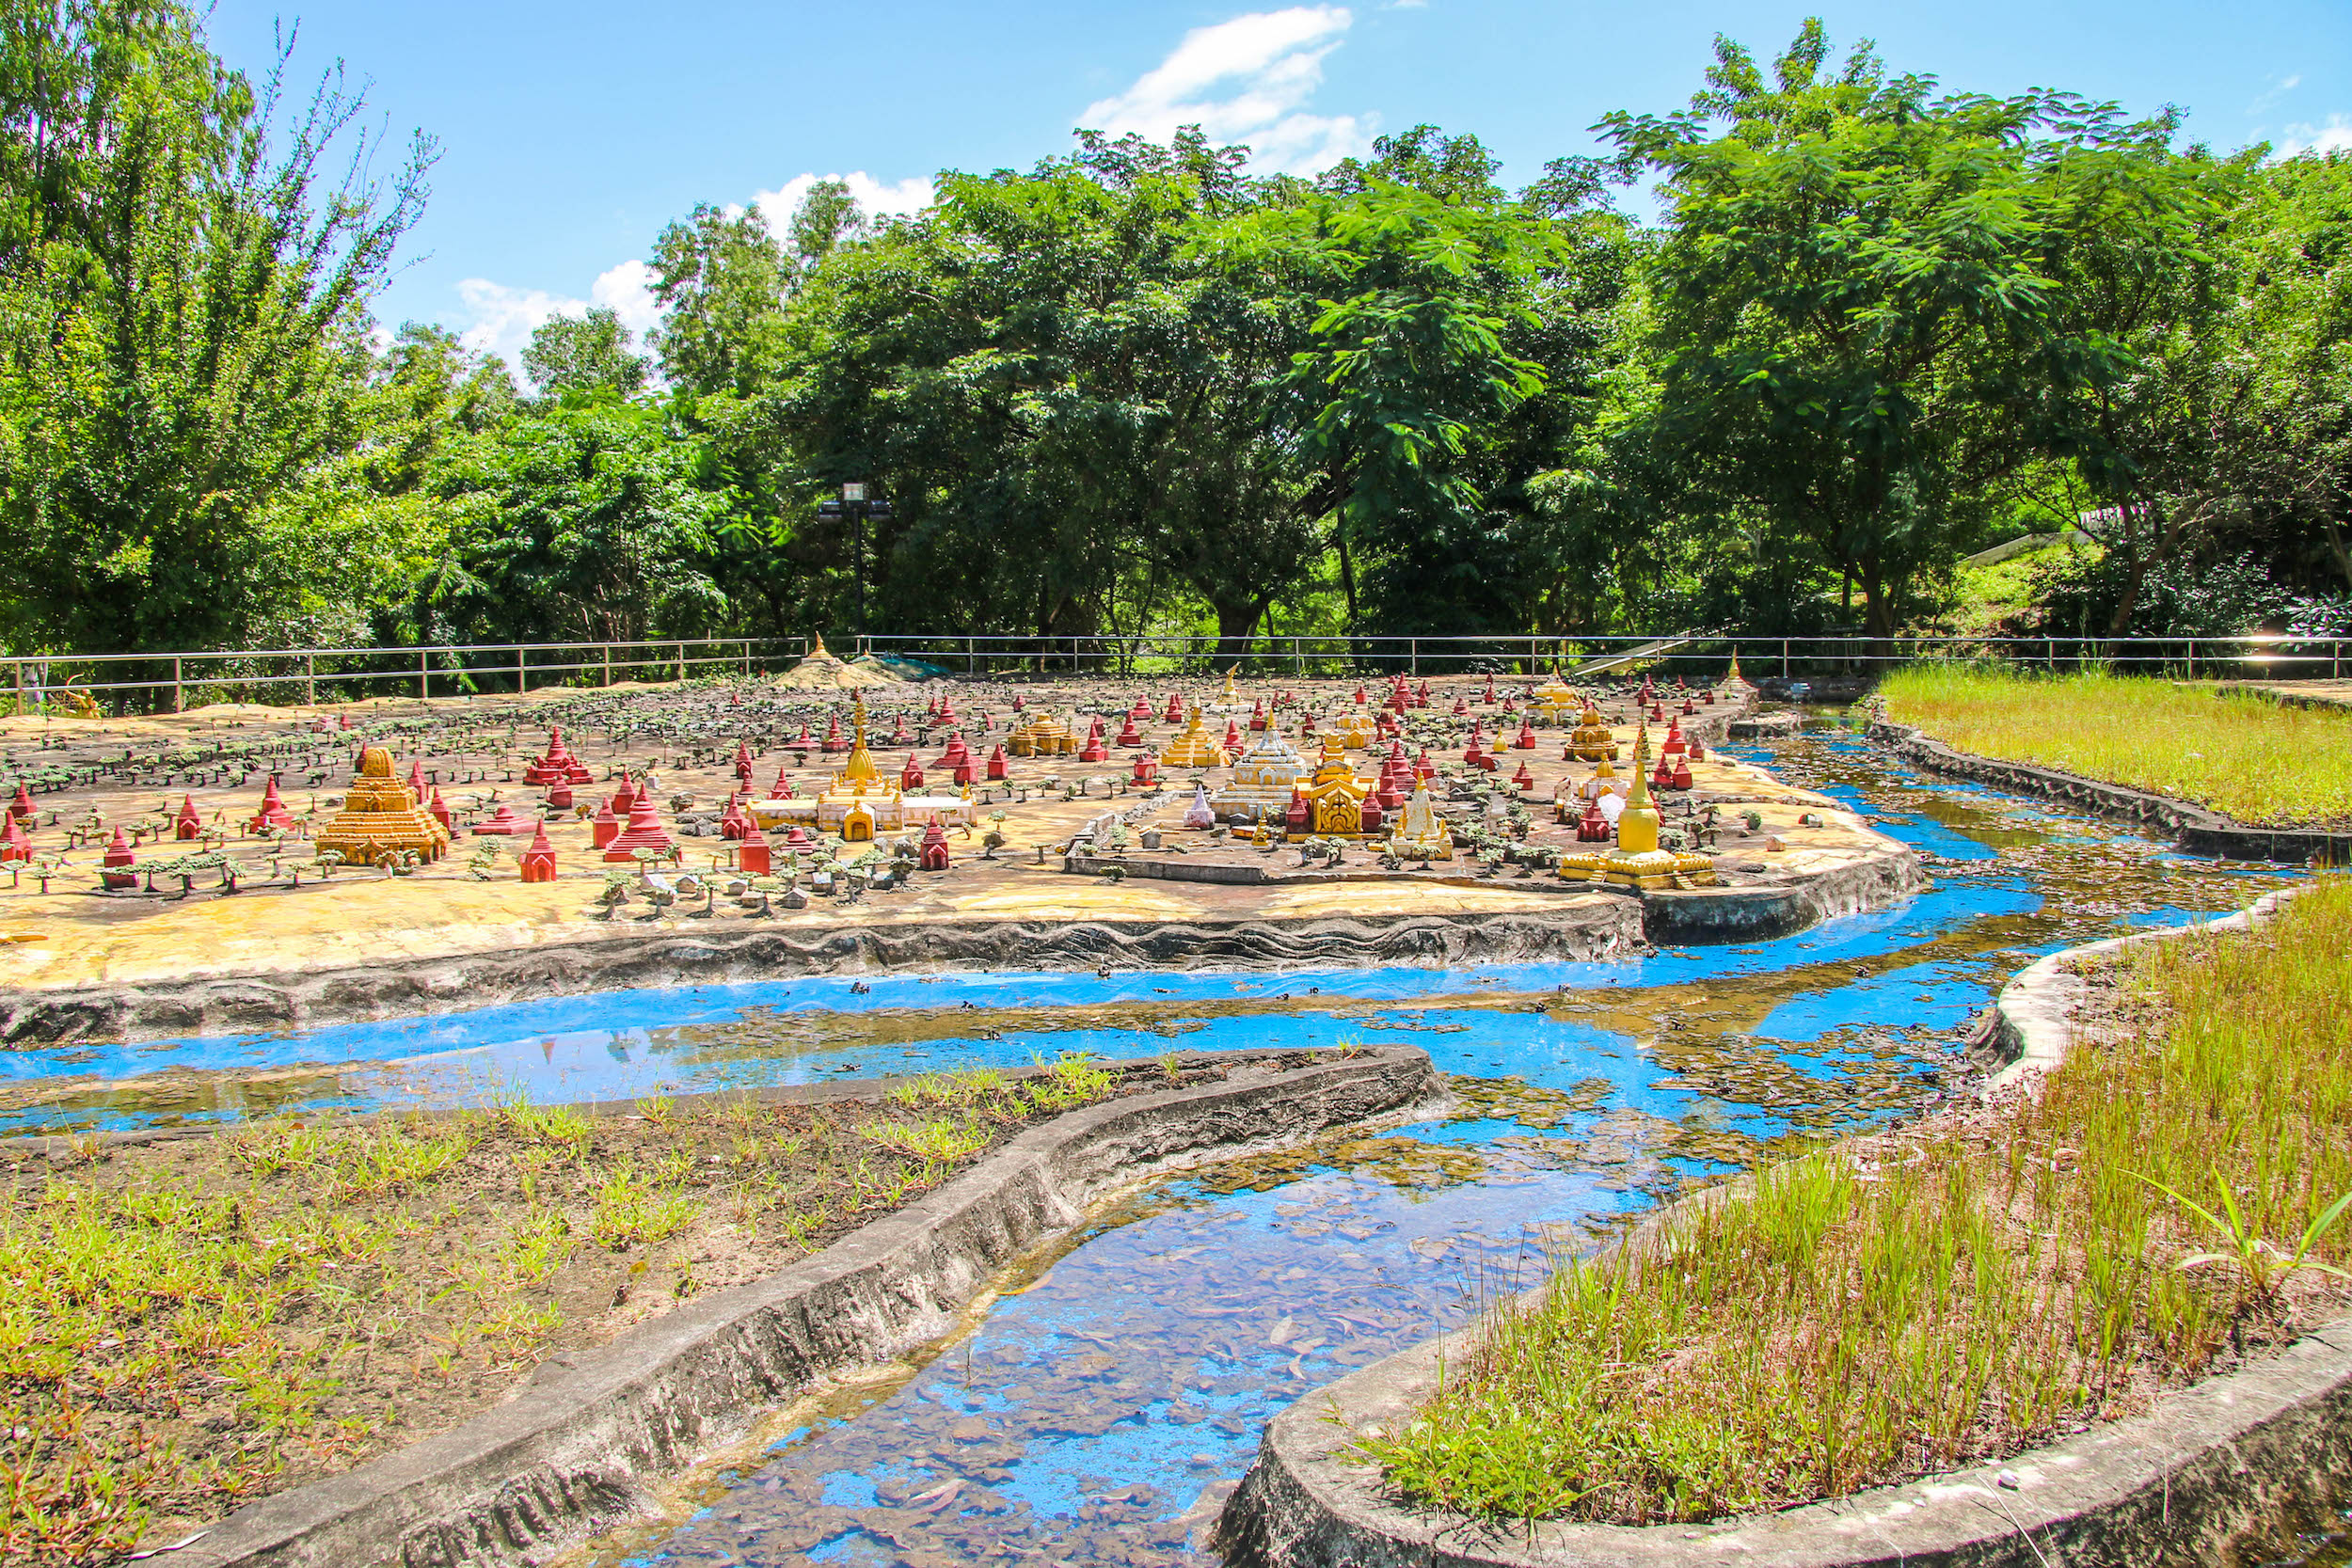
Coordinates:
[768,794]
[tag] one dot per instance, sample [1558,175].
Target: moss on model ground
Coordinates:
[2255,760]
[193,1323]
[1896,1306]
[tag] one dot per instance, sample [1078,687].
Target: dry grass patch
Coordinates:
[1893,1306]
[2255,760]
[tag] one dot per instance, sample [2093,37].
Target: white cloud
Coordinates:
[1247,80]
[2334,136]
[2268,99]
[876,199]
[504,318]
[627,291]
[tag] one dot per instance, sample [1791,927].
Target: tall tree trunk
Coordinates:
[1235,623]
[2335,548]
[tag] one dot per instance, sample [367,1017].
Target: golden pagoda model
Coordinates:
[1335,797]
[1041,734]
[1555,702]
[382,818]
[1420,831]
[1263,776]
[1356,730]
[860,798]
[1637,861]
[1731,676]
[1231,701]
[1591,740]
[1194,747]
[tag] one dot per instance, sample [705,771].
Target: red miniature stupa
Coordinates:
[752,856]
[118,861]
[272,815]
[558,764]
[538,859]
[932,856]
[645,831]
[996,765]
[502,821]
[185,823]
[910,776]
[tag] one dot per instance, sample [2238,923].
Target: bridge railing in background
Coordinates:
[169,682]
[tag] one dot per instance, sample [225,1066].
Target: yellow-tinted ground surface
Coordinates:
[686,738]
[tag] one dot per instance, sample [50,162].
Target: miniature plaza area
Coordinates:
[236,842]
[823,1119]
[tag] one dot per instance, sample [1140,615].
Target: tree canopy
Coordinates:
[1874,324]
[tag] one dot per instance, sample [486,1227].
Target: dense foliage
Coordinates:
[1876,327]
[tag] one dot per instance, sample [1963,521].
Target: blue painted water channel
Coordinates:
[1097,1412]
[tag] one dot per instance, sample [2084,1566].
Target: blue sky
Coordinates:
[571,133]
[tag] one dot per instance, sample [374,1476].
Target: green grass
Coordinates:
[1926,1299]
[188,1325]
[2256,760]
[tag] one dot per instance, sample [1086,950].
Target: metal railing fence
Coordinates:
[1686,653]
[289,675]
[167,681]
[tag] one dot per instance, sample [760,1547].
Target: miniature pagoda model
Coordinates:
[382,818]
[861,799]
[1264,777]
[1554,702]
[1041,734]
[1195,748]
[1637,861]
[1335,797]
[1591,740]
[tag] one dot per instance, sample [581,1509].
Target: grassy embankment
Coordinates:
[190,1324]
[1951,1293]
[2257,761]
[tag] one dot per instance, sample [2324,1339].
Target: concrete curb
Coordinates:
[573,1451]
[2199,832]
[2211,1465]
[441,983]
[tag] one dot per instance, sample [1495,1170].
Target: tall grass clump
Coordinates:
[1920,1301]
[2255,760]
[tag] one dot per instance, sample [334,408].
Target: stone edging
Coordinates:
[438,983]
[2213,1463]
[2199,832]
[578,1449]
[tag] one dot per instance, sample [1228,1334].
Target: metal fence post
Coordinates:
[1783,659]
[607,662]
[424,676]
[522,681]
[681,663]
[179,697]
[310,679]
[1414,656]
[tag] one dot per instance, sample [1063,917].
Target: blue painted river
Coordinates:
[1099,1409]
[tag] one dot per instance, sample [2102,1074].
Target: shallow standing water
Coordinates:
[1100,1409]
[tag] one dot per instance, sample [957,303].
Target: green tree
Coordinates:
[1852,295]
[182,317]
[587,517]
[584,353]
[721,281]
